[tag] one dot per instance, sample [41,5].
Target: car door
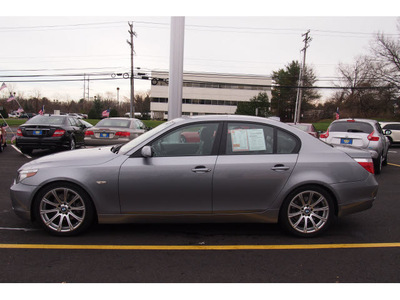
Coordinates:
[177,179]
[77,130]
[255,165]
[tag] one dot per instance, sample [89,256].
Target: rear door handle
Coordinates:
[280,167]
[201,169]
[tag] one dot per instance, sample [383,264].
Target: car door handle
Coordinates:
[280,168]
[201,169]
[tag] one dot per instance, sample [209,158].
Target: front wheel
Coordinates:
[63,209]
[307,211]
[378,164]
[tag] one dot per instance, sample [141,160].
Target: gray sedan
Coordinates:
[112,131]
[240,169]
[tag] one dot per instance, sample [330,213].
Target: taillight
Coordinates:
[89,132]
[123,133]
[19,132]
[324,135]
[366,163]
[373,138]
[58,132]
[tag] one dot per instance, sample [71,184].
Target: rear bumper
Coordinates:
[42,143]
[356,196]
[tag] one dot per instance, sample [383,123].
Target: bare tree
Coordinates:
[386,52]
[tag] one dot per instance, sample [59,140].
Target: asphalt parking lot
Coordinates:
[363,247]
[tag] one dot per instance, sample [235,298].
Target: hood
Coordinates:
[81,157]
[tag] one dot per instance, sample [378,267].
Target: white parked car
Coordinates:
[394,127]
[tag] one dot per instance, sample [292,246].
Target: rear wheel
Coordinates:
[307,211]
[72,144]
[378,164]
[63,209]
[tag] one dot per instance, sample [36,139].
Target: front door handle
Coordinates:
[201,169]
[280,167]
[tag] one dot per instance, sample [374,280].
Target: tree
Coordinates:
[386,54]
[363,93]
[285,92]
[258,105]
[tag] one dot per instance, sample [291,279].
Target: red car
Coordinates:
[309,128]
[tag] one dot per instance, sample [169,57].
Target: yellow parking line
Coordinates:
[394,165]
[198,247]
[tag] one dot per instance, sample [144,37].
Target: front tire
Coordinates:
[378,164]
[307,211]
[63,209]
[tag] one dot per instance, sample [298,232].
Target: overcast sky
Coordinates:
[75,45]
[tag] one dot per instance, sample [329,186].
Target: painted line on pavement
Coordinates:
[18,229]
[16,149]
[394,165]
[198,247]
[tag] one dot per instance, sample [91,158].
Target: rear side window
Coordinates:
[351,127]
[392,126]
[250,139]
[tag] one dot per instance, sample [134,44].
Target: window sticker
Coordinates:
[248,140]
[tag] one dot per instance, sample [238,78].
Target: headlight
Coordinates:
[25,174]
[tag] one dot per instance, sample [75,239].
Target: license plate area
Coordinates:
[346,141]
[104,135]
[37,132]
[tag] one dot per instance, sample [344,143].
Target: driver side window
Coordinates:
[191,140]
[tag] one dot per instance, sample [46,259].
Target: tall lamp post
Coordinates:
[118,96]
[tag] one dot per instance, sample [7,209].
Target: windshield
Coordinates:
[351,127]
[114,123]
[46,120]
[147,135]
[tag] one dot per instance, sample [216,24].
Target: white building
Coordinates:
[207,93]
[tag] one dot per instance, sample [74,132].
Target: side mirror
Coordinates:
[147,152]
[387,132]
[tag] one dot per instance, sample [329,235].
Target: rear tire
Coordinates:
[378,164]
[26,151]
[307,211]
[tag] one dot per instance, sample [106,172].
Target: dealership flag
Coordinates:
[11,98]
[19,110]
[41,112]
[337,113]
[105,113]
[3,86]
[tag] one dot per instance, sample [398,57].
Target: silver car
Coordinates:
[240,169]
[112,131]
[360,133]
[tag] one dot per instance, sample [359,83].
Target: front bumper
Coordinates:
[21,199]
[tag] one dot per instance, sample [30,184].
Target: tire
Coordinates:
[72,144]
[26,151]
[378,164]
[307,211]
[63,209]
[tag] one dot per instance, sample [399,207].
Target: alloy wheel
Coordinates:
[62,210]
[308,212]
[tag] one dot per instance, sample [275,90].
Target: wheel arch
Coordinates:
[310,185]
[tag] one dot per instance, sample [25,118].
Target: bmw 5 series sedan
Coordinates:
[240,169]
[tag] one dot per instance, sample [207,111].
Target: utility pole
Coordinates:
[297,112]
[132,33]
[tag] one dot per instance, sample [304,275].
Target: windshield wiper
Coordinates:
[116,148]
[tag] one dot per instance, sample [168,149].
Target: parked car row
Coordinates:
[69,132]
